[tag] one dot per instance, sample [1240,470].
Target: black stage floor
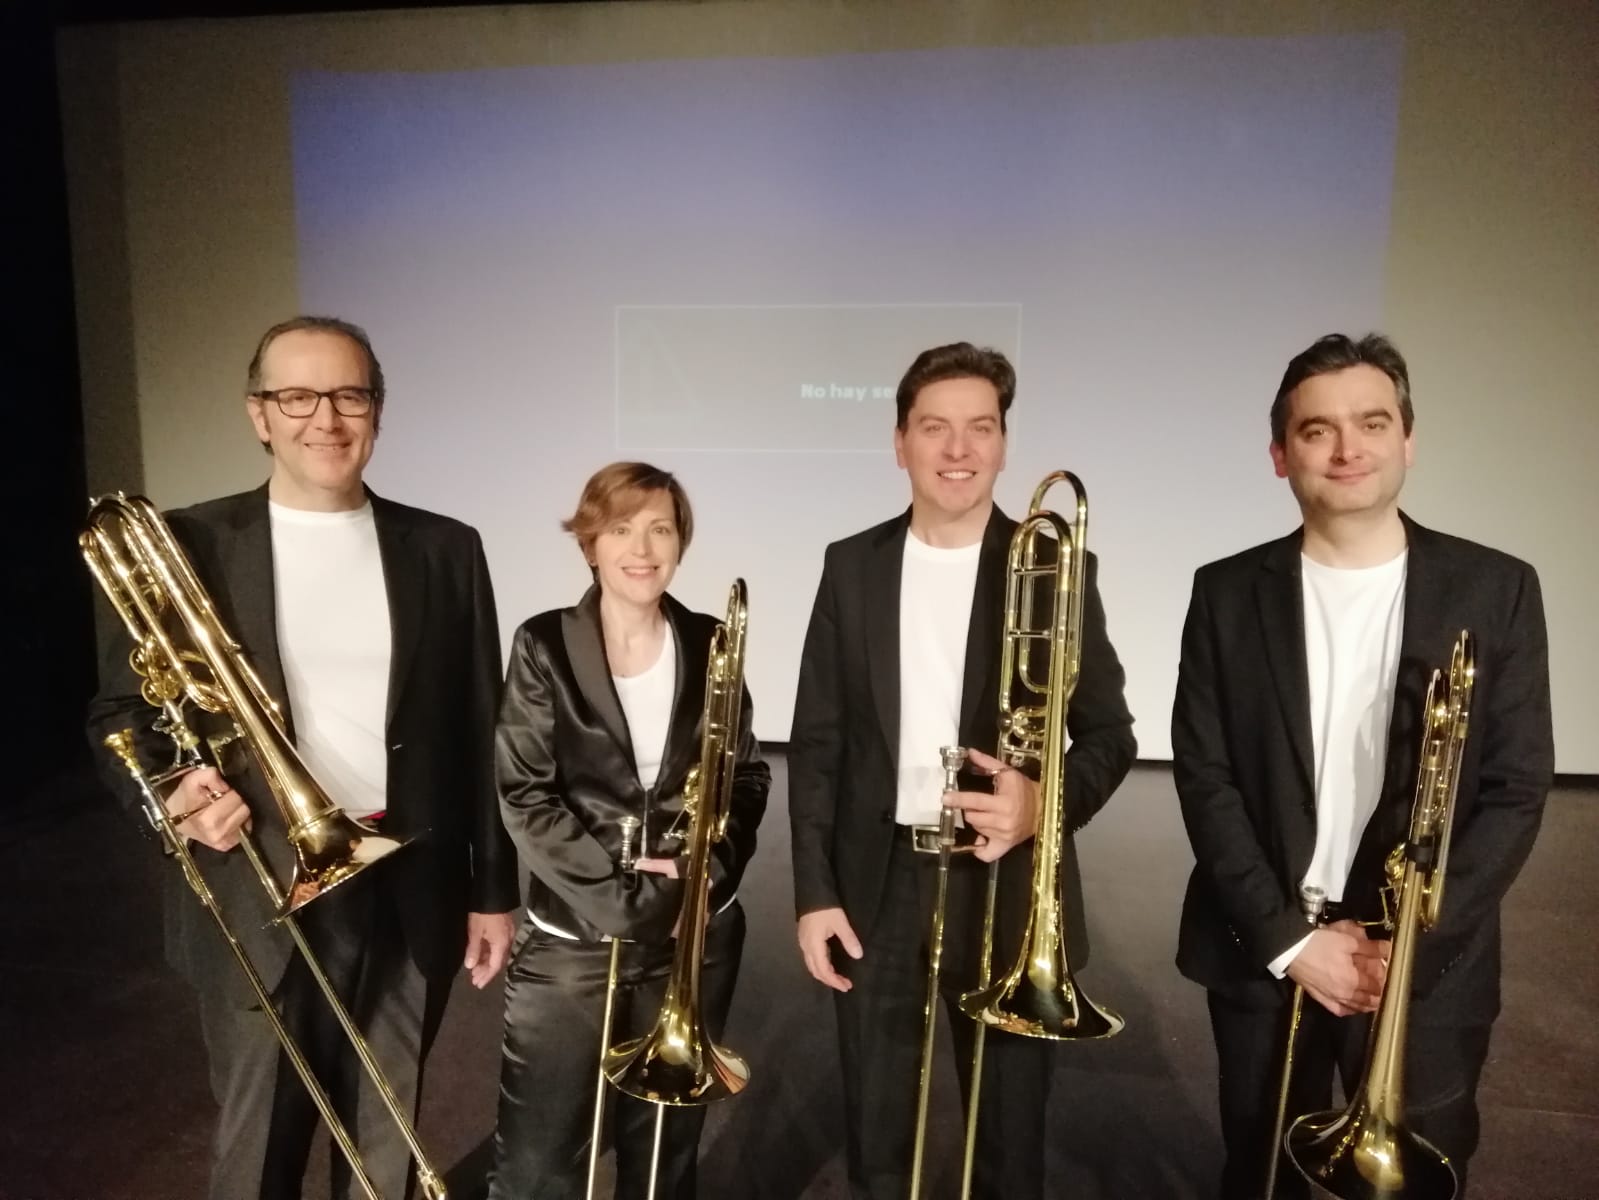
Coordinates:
[105,1097]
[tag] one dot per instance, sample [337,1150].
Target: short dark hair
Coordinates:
[959,360]
[252,382]
[620,490]
[1339,352]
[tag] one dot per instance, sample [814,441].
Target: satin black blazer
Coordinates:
[567,776]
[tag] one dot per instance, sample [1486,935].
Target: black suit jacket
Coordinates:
[844,746]
[444,676]
[567,775]
[1243,760]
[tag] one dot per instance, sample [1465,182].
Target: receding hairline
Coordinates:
[361,351]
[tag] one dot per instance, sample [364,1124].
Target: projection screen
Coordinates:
[712,236]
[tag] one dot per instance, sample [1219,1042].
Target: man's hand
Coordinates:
[818,928]
[1005,819]
[209,810]
[488,941]
[1342,969]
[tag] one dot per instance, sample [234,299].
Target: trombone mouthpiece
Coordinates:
[120,743]
[629,831]
[953,758]
[1312,902]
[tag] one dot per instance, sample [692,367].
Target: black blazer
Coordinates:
[1243,762]
[443,688]
[564,760]
[844,746]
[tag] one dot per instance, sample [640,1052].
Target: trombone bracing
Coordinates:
[677,1064]
[1037,996]
[1312,904]
[185,656]
[1365,1152]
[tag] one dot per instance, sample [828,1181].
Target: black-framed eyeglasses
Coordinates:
[302,402]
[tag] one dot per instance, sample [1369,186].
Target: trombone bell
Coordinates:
[677,1064]
[1039,998]
[331,849]
[1363,1156]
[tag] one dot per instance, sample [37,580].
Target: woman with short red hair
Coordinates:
[601,723]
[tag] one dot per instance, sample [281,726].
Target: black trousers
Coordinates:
[267,1120]
[554,1003]
[1443,1064]
[880,1023]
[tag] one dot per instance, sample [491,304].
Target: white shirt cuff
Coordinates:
[1279,965]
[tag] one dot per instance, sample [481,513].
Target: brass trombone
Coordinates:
[185,657]
[1365,1152]
[1037,996]
[1312,903]
[677,1064]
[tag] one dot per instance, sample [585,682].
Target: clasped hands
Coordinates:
[1342,968]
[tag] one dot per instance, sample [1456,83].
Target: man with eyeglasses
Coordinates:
[373,626]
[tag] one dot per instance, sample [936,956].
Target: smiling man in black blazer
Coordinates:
[901,657]
[1295,739]
[373,625]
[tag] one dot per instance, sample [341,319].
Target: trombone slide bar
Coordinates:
[1312,903]
[121,744]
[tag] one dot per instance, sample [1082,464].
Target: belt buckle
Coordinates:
[924,839]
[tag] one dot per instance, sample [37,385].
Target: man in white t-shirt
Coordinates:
[902,658]
[373,626]
[1295,739]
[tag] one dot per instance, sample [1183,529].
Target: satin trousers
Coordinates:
[554,1002]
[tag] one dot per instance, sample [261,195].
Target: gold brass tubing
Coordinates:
[677,1062]
[979,1036]
[1274,1154]
[1312,902]
[426,1177]
[121,744]
[935,955]
[655,1150]
[1366,1152]
[600,1083]
[143,571]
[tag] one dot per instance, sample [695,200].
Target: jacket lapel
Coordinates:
[881,588]
[980,677]
[405,583]
[688,690]
[1423,647]
[585,650]
[247,570]
[1280,602]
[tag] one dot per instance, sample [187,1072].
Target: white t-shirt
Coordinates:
[647,704]
[335,643]
[935,610]
[1354,622]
